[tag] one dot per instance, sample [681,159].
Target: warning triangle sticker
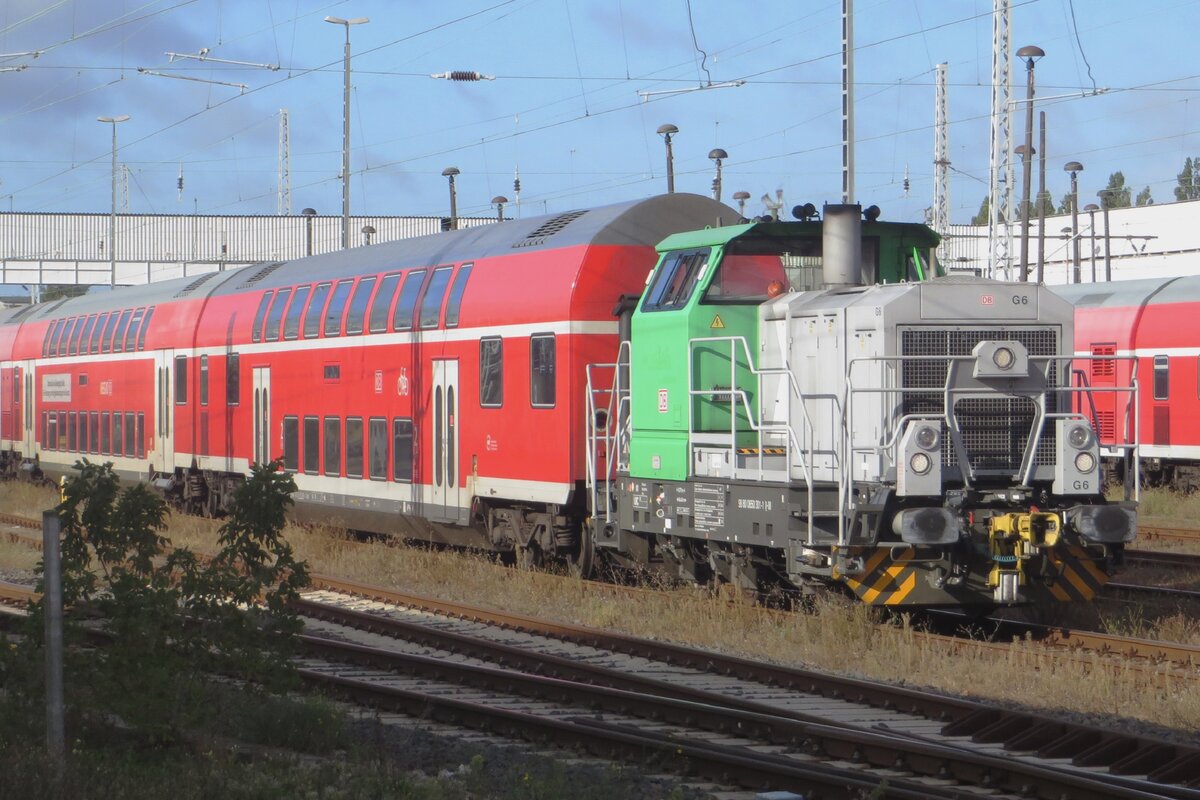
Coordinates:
[717,323]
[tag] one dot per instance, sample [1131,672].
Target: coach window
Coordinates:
[94,339]
[337,308]
[491,372]
[675,280]
[180,380]
[73,348]
[130,434]
[454,304]
[118,343]
[358,306]
[141,434]
[105,430]
[291,327]
[402,320]
[59,346]
[62,430]
[85,335]
[354,447]
[83,431]
[541,370]
[1162,378]
[431,305]
[71,423]
[312,316]
[141,342]
[377,448]
[383,303]
[49,421]
[49,338]
[106,334]
[260,315]
[118,436]
[131,335]
[94,431]
[233,379]
[291,443]
[275,316]
[333,446]
[312,445]
[203,380]
[402,450]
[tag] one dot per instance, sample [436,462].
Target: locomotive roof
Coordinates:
[1120,294]
[643,222]
[709,237]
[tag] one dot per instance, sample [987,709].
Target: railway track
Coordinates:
[729,718]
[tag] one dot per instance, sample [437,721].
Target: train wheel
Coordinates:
[584,562]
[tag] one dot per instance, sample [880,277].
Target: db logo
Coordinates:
[662,401]
[402,383]
[987,300]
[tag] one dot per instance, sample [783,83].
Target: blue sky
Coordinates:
[565,104]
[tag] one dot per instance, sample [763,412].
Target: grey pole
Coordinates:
[1041,264]
[1104,197]
[308,214]
[1031,53]
[1092,208]
[450,172]
[717,155]
[1074,167]
[112,218]
[498,201]
[667,131]
[52,593]
[346,126]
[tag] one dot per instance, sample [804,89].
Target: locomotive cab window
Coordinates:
[431,305]
[454,304]
[383,303]
[337,307]
[541,370]
[358,306]
[406,305]
[1162,378]
[491,372]
[312,317]
[275,315]
[260,315]
[291,326]
[752,271]
[675,280]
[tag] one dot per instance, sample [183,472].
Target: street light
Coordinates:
[498,201]
[667,131]
[717,155]
[1105,197]
[1074,167]
[741,198]
[112,219]
[450,172]
[346,126]
[1092,208]
[1031,53]
[367,230]
[308,215]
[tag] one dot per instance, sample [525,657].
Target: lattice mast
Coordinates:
[941,163]
[285,170]
[1000,183]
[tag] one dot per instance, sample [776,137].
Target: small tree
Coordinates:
[985,212]
[1144,198]
[1118,192]
[1188,180]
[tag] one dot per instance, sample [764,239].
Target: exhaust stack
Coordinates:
[841,245]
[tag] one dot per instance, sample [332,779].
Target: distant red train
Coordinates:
[421,385]
[1148,330]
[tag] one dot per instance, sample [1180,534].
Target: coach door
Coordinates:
[262,415]
[164,411]
[28,409]
[444,437]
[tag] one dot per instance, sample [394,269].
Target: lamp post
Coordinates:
[1031,53]
[498,201]
[1091,209]
[717,155]
[1105,197]
[346,23]
[367,230]
[450,172]
[112,217]
[741,198]
[666,131]
[1074,167]
[308,215]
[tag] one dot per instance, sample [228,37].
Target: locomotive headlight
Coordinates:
[927,437]
[1080,437]
[1085,461]
[1003,357]
[920,463]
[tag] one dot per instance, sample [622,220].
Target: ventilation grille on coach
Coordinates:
[548,228]
[995,430]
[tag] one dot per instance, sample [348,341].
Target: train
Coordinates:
[659,385]
[1140,335]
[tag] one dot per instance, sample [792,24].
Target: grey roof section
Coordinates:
[1119,294]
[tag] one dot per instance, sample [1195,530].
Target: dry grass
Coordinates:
[836,635]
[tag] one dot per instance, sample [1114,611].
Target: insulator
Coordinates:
[517,185]
[179,183]
[464,75]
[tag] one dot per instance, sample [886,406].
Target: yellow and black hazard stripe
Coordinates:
[885,581]
[766,451]
[1076,575]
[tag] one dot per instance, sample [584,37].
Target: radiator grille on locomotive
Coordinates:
[995,430]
